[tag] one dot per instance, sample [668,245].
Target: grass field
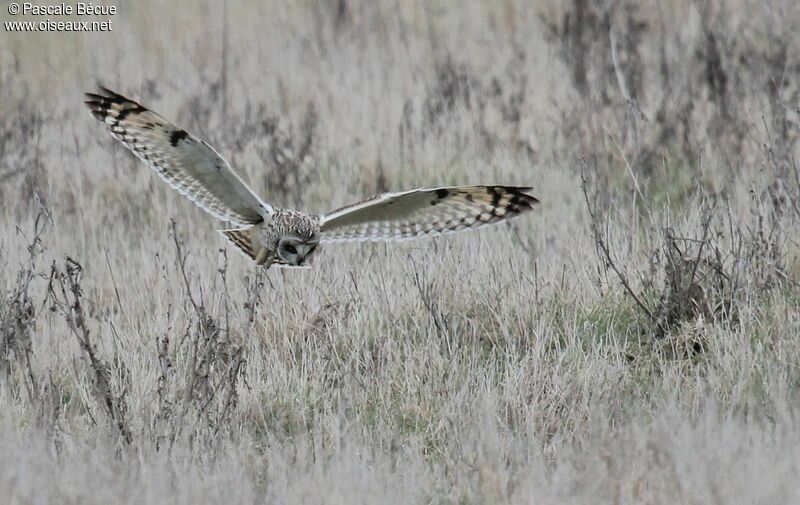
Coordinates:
[634,340]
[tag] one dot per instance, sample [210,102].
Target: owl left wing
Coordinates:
[188,164]
[425,212]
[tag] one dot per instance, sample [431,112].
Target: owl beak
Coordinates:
[304,254]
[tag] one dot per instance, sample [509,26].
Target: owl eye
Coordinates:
[290,249]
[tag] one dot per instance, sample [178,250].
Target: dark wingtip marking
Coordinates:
[497,193]
[524,200]
[177,136]
[104,100]
[519,196]
[93,98]
[442,193]
[124,112]
[111,94]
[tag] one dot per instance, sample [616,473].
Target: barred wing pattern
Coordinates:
[424,212]
[185,162]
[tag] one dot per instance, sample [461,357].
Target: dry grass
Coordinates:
[635,341]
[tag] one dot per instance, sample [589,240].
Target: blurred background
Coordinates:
[634,340]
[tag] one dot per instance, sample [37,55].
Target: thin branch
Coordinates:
[603,246]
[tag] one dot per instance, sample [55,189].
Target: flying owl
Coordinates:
[284,237]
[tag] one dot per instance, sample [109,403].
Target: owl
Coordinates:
[270,235]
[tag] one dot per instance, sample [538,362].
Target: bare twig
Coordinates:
[426,295]
[182,267]
[68,284]
[634,112]
[604,249]
[113,281]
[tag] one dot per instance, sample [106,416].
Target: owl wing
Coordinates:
[185,162]
[424,212]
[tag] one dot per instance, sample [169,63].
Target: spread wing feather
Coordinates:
[424,212]
[185,162]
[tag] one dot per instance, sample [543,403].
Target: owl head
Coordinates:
[296,249]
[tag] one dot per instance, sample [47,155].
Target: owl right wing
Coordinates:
[424,212]
[185,162]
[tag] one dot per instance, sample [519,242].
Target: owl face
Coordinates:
[295,250]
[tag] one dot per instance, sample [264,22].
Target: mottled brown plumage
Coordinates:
[270,235]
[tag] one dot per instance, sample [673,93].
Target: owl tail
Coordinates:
[246,240]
